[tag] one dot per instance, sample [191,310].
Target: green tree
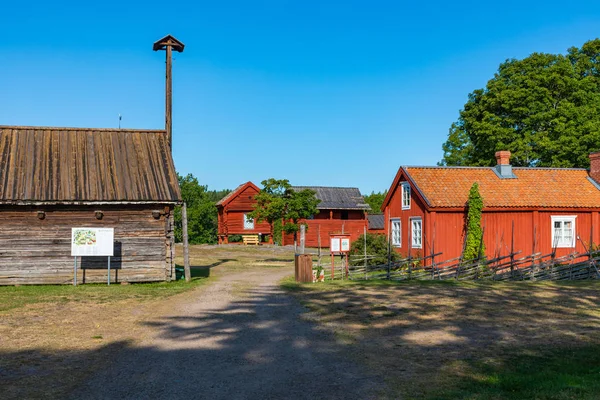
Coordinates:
[544,108]
[277,201]
[201,211]
[474,247]
[375,201]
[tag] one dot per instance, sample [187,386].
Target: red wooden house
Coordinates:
[549,208]
[232,214]
[341,210]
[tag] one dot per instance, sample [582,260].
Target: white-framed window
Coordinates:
[248,222]
[396,232]
[563,231]
[416,233]
[405,196]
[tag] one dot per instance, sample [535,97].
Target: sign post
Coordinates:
[94,242]
[339,244]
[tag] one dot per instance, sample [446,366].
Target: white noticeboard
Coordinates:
[335,245]
[92,242]
[345,244]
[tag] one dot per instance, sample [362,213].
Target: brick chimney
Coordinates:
[503,167]
[595,166]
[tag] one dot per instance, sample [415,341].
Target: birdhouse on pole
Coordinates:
[168,43]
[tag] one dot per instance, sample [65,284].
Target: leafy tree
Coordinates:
[277,201]
[377,247]
[201,211]
[544,108]
[375,201]
[474,247]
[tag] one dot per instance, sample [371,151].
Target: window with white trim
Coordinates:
[405,196]
[563,231]
[416,225]
[396,232]
[248,222]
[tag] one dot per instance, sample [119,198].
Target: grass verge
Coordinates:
[14,297]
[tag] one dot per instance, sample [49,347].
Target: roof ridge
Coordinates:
[63,128]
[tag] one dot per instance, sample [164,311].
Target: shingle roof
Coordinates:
[66,165]
[223,202]
[337,198]
[376,221]
[533,187]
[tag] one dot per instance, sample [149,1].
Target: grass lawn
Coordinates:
[12,297]
[467,340]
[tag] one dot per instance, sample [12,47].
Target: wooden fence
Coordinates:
[534,267]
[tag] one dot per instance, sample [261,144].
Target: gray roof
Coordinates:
[337,198]
[376,221]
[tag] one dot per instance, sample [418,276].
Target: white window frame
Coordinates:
[405,187]
[396,239]
[562,243]
[413,244]
[248,222]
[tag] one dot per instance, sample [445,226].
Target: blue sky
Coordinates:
[331,93]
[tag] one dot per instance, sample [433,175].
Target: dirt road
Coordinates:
[242,337]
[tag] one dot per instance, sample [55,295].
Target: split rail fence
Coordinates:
[534,267]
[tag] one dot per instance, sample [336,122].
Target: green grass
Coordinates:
[545,374]
[12,297]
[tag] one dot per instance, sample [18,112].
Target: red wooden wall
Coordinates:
[324,227]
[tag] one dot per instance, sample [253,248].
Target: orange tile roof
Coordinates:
[533,187]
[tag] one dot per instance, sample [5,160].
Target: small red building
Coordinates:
[376,224]
[549,208]
[232,214]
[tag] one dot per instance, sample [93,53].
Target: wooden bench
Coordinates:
[250,239]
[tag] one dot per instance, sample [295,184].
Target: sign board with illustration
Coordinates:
[92,242]
[339,243]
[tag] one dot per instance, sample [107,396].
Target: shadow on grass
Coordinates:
[468,340]
[543,374]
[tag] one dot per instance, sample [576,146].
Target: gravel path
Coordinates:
[239,338]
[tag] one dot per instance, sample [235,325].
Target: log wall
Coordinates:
[38,251]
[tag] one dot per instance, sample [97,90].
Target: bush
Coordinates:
[377,249]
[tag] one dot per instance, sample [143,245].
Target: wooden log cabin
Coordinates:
[528,210]
[54,179]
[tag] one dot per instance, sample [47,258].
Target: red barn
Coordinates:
[425,208]
[341,210]
[232,214]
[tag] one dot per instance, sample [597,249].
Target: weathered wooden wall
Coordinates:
[38,251]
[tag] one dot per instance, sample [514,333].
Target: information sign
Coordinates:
[345,244]
[335,245]
[92,242]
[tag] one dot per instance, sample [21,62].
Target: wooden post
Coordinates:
[168,43]
[186,249]
[168,99]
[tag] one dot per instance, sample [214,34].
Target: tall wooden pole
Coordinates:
[169,99]
[168,43]
[186,249]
